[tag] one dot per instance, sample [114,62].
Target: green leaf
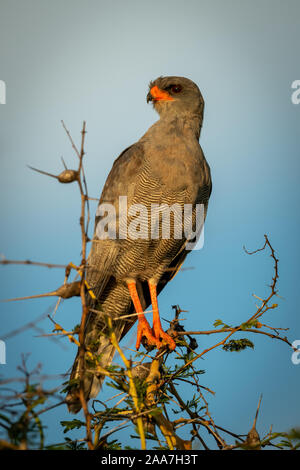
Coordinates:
[218,322]
[238,345]
[74,424]
[70,384]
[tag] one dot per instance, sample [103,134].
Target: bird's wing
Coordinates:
[104,253]
[178,260]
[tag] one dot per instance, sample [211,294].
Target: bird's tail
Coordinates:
[103,351]
[96,337]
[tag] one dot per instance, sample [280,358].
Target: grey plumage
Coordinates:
[166,166]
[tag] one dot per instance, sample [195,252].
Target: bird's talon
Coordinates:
[145,331]
[166,339]
[169,342]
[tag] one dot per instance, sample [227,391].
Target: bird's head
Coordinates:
[175,96]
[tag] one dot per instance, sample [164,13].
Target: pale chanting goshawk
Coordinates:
[165,167]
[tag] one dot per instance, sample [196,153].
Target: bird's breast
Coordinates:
[178,165]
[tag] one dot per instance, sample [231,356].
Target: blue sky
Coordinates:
[93,61]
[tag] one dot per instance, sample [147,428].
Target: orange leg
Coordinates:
[157,328]
[144,328]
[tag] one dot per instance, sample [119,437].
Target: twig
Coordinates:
[32,263]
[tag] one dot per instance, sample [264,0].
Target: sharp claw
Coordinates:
[167,339]
[145,330]
[171,343]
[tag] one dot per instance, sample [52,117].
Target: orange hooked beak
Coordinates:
[156,94]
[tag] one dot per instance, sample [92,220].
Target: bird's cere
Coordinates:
[158,94]
[150,223]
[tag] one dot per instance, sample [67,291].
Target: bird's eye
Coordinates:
[176,88]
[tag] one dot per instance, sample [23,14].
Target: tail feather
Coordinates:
[92,381]
[102,256]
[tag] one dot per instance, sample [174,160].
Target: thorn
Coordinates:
[48,294]
[64,164]
[65,291]
[257,411]
[66,176]
[42,172]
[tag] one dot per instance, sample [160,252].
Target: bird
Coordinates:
[165,167]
